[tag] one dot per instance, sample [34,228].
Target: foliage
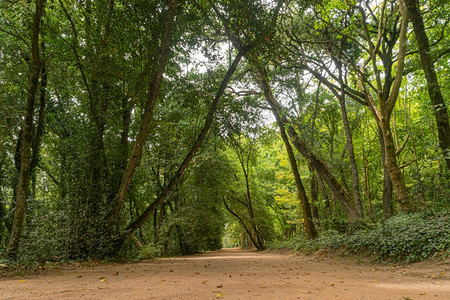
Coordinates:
[100,63]
[405,237]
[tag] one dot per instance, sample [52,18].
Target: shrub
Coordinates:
[405,237]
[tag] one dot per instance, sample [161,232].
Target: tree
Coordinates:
[433,86]
[25,166]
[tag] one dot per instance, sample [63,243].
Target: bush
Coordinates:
[405,237]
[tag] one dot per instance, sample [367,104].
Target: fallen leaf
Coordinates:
[103,280]
[219,286]
[219,296]
[22,281]
[80,276]
[116,273]
[102,277]
[422,294]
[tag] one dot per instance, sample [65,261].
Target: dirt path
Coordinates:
[235,274]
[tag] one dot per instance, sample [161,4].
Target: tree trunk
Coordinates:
[351,155]
[434,89]
[310,230]
[144,128]
[40,126]
[24,174]
[387,97]
[394,171]
[388,206]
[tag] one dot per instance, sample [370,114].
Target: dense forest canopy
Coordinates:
[181,126]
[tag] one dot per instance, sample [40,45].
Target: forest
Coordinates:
[133,128]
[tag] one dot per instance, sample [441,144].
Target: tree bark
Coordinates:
[25,166]
[310,230]
[388,206]
[434,89]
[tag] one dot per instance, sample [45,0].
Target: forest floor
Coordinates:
[235,274]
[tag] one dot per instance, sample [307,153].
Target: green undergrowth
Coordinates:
[405,237]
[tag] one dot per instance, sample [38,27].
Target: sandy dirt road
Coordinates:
[235,274]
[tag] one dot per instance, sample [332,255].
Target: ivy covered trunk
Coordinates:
[25,167]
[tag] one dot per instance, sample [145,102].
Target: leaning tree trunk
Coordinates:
[434,89]
[144,128]
[310,230]
[25,166]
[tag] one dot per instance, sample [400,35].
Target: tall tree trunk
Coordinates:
[24,174]
[387,98]
[40,126]
[351,154]
[310,230]
[144,128]
[434,89]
